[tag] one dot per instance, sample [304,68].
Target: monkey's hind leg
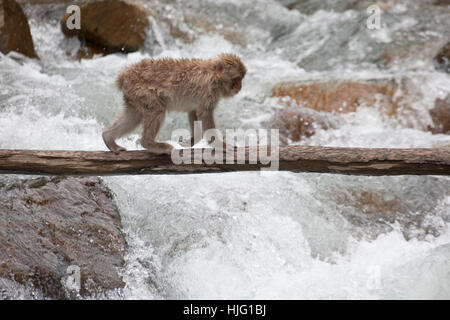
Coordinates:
[127,122]
[152,123]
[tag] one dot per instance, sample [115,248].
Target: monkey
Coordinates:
[152,87]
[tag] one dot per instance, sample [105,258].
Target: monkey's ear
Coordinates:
[219,67]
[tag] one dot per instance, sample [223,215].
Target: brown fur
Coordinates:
[153,87]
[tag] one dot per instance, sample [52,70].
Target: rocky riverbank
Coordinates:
[50,227]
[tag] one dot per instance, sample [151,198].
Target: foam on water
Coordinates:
[247,235]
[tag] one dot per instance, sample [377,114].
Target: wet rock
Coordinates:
[49,224]
[311,6]
[441,2]
[202,25]
[385,47]
[440,115]
[227,31]
[332,98]
[112,25]
[297,125]
[377,209]
[382,5]
[42,1]
[89,50]
[294,126]
[381,209]
[14,29]
[324,103]
[443,58]
[341,97]
[394,54]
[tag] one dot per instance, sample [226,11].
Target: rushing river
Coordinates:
[277,235]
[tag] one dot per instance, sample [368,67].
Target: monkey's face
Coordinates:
[232,71]
[236,85]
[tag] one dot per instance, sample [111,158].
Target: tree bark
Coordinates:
[352,161]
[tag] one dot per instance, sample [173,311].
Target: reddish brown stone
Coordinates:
[440,115]
[114,25]
[441,2]
[15,32]
[89,50]
[341,97]
[293,126]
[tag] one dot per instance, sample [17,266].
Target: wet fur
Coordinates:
[153,87]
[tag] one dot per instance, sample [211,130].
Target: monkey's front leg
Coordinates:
[206,116]
[192,117]
[152,123]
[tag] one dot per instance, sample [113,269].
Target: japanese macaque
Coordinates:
[153,87]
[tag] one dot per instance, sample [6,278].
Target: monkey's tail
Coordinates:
[119,81]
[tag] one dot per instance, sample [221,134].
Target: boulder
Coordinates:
[50,224]
[441,2]
[15,32]
[311,6]
[440,115]
[318,105]
[113,25]
[414,204]
[443,58]
[201,25]
[341,97]
[297,125]
[42,1]
[394,54]
[227,31]
[294,126]
[88,50]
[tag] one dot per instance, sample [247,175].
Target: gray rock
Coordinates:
[49,224]
[443,58]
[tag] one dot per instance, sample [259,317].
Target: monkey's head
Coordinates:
[230,71]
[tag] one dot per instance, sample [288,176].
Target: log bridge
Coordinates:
[349,161]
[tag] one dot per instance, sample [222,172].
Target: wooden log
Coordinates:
[352,161]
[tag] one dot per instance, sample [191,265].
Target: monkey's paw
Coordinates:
[118,150]
[187,143]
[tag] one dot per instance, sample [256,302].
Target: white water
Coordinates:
[247,235]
